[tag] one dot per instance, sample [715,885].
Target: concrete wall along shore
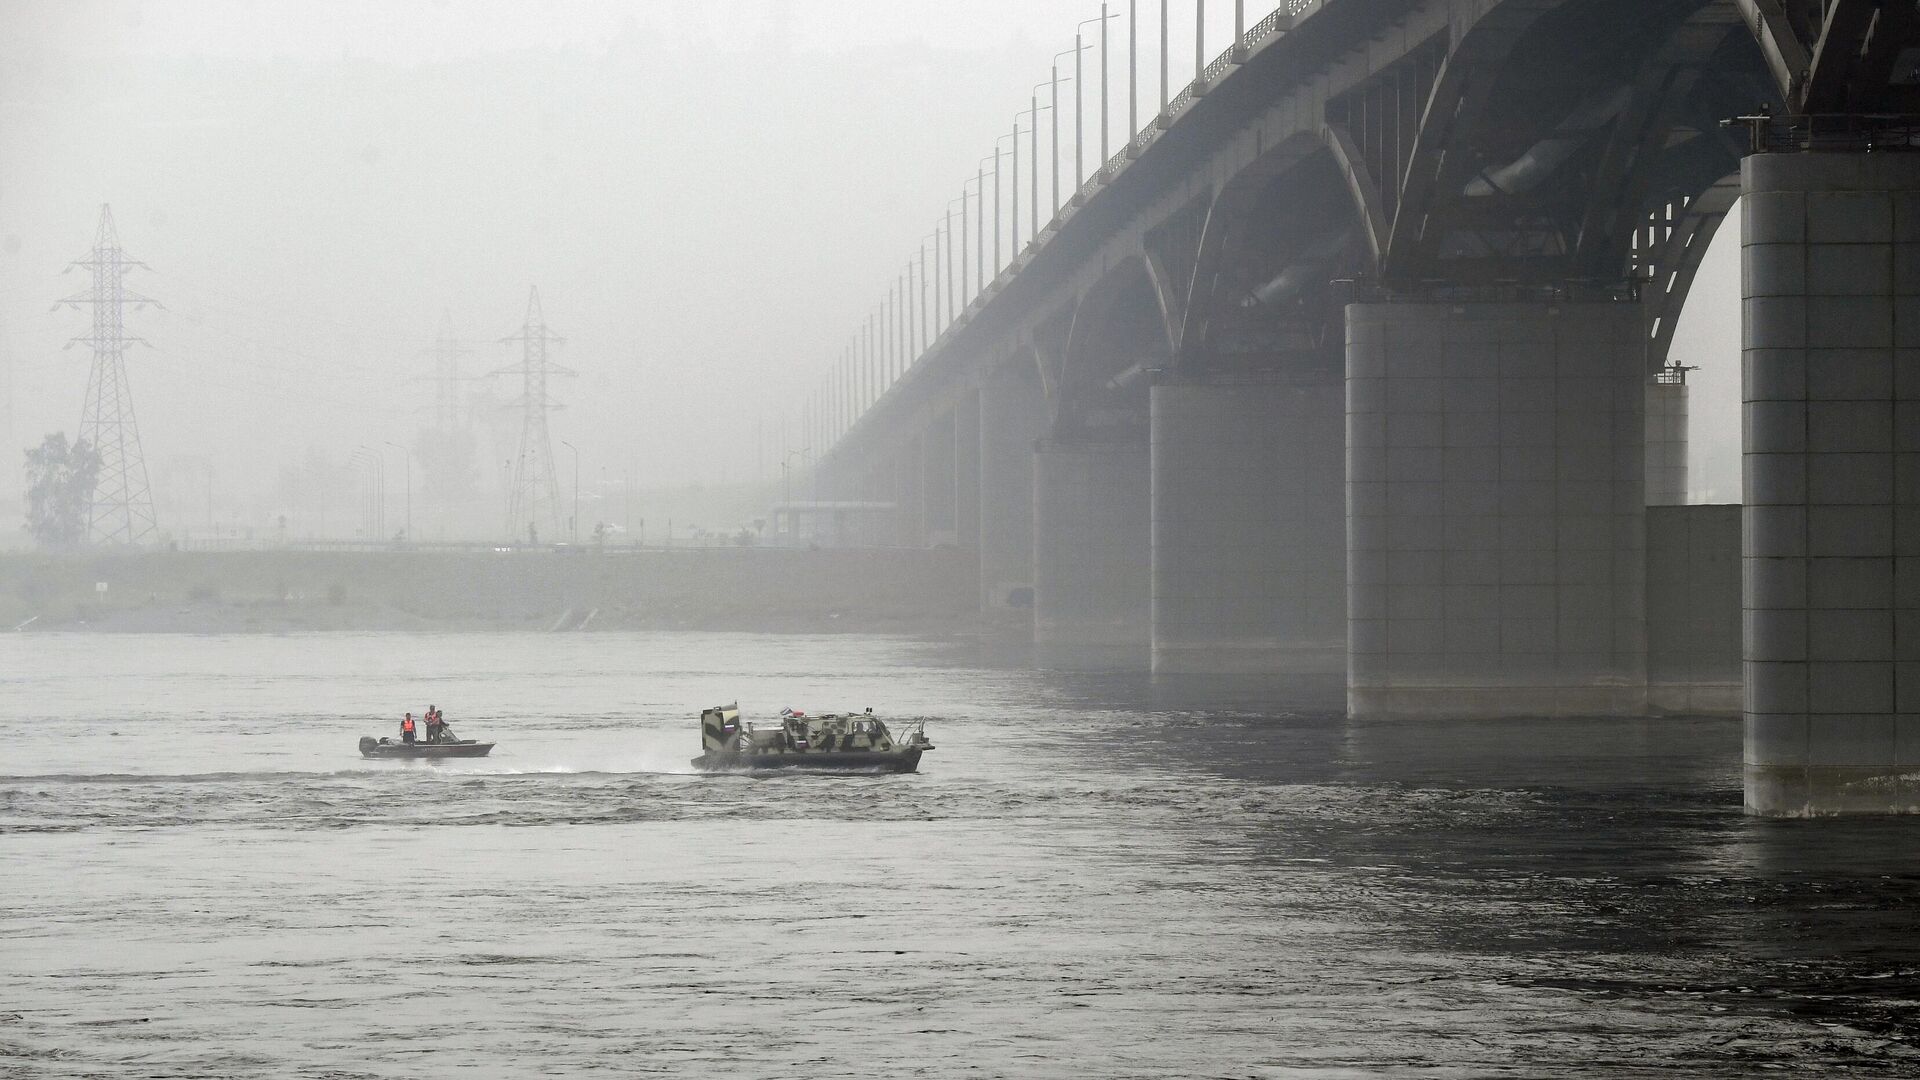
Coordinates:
[710,588]
[1693,610]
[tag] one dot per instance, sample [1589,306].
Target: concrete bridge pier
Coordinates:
[910,494]
[1831,261]
[1091,555]
[1667,439]
[1249,541]
[1496,523]
[938,481]
[1012,416]
[966,470]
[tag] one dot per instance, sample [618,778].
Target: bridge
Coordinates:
[1348,374]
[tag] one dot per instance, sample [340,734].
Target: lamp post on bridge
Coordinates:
[946,267]
[1079,135]
[1053,83]
[1033,109]
[996,156]
[926,326]
[1133,72]
[846,388]
[1199,41]
[1013,194]
[971,277]
[960,283]
[1163,63]
[934,328]
[980,232]
[853,381]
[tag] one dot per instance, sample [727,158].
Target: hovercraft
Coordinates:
[835,742]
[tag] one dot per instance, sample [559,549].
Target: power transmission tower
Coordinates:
[447,352]
[447,448]
[121,511]
[534,496]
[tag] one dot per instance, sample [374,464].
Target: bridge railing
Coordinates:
[1277,23]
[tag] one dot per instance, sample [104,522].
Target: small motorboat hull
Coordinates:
[905,760]
[383,748]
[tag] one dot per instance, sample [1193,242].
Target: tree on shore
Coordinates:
[60,481]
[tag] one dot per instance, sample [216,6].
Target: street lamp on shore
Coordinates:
[786,489]
[374,506]
[407,459]
[573,522]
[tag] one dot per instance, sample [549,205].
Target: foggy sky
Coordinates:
[710,196]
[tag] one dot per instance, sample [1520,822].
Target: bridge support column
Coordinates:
[966,470]
[1091,562]
[1496,518]
[1831,261]
[1013,414]
[1249,540]
[910,494]
[1667,440]
[938,481]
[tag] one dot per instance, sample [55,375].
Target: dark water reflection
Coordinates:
[1079,884]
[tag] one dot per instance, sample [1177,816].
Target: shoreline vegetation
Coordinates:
[923,592]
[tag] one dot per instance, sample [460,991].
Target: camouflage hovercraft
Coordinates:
[857,741]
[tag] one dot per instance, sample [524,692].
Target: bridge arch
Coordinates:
[1117,337]
[1283,231]
[1554,130]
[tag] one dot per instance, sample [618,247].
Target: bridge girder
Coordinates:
[1401,107]
[1839,56]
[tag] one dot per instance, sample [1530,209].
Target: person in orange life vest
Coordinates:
[433,724]
[406,729]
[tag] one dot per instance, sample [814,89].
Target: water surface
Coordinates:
[199,877]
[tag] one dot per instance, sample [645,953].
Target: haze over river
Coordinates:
[199,877]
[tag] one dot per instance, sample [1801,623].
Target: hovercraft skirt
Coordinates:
[901,761]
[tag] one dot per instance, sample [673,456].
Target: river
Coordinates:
[200,877]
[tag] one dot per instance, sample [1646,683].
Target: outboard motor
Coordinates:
[367,743]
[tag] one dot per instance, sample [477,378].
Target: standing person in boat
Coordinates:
[406,729]
[434,727]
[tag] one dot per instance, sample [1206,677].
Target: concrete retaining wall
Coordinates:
[1693,609]
[750,588]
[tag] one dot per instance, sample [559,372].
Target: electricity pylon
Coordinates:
[447,448]
[121,510]
[534,496]
[447,352]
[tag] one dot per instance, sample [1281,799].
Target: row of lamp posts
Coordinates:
[910,320]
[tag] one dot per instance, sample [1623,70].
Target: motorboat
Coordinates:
[445,748]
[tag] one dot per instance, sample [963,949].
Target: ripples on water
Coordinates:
[201,878]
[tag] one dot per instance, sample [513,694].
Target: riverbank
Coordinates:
[908,591]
